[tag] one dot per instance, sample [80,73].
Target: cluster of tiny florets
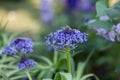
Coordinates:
[23,45]
[25,63]
[66,37]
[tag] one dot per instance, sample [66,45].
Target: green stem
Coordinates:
[68,59]
[55,57]
[28,74]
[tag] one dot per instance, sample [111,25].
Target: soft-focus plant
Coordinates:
[67,39]
[106,24]
[19,48]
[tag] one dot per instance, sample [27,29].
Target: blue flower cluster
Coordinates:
[66,37]
[23,45]
[25,63]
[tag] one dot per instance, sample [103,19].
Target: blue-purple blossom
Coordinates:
[71,4]
[83,5]
[23,45]
[109,35]
[66,37]
[91,21]
[113,35]
[101,31]
[86,5]
[21,66]
[104,18]
[25,63]
[117,28]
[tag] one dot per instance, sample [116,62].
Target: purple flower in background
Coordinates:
[71,4]
[86,5]
[83,5]
[23,45]
[111,36]
[104,18]
[101,31]
[91,21]
[106,34]
[66,37]
[25,63]
[117,28]
[46,11]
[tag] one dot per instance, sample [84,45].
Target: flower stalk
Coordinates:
[55,57]
[68,58]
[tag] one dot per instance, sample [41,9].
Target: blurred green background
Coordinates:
[37,18]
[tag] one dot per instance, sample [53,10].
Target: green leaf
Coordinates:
[12,72]
[45,59]
[101,9]
[80,70]
[114,11]
[101,24]
[40,75]
[63,76]
[61,63]
[85,77]
[4,76]
[73,67]
[18,77]
[116,6]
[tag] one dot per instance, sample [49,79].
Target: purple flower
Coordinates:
[71,4]
[117,28]
[86,5]
[30,63]
[111,36]
[24,45]
[91,21]
[106,34]
[25,63]
[46,11]
[66,37]
[21,66]
[104,18]
[101,31]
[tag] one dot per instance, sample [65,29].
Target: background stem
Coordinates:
[28,74]
[55,56]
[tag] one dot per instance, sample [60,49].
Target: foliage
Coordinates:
[96,59]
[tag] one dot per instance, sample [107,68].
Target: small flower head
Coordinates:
[117,28]
[101,31]
[111,36]
[91,21]
[104,18]
[23,45]
[66,37]
[25,63]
